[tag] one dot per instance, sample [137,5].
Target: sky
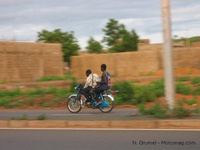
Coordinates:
[21,20]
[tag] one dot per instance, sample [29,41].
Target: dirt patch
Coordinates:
[180,98]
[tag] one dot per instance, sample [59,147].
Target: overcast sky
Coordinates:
[22,19]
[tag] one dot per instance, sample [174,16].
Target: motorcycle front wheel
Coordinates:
[74,105]
[110,106]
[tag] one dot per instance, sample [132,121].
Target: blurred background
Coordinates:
[45,49]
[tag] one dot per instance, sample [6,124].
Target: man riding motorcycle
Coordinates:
[105,82]
[90,82]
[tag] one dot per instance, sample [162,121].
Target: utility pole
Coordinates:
[168,54]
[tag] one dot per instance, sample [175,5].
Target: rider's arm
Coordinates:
[88,81]
[104,79]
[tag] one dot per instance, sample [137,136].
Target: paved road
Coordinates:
[98,140]
[85,114]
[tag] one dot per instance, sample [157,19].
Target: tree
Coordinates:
[113,32]
[118,38]
[94,46]
[70,45]
[128,43]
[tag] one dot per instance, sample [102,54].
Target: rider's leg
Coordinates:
[85,92]
[98,91]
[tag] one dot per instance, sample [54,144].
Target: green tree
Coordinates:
[94,46]
[70,45]
[113,32]
[118,38]
[129,43]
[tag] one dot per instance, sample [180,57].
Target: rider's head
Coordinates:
[88,72]
[103,67]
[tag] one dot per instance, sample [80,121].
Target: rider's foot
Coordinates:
[97,104]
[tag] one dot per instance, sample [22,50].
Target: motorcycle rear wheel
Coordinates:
[110,106]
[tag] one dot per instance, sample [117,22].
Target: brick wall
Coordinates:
[196,44]
[135,63]
[29,61]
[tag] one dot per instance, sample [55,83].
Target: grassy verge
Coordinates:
[25,117]
[51,97]
[129,93]
[67,76]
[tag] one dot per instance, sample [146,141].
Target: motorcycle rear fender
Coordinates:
[111,97]
[75,96]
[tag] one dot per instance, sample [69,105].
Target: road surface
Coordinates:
[98,140]
[85,114]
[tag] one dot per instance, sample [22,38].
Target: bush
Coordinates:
[129,93]
[144,93]
[183,89]
[73,85]
[51,78]
[183,79]
[197,90]
[180,111]
[24,117]
[158,88]
[54,78]
[61,93]
[6,102]
[41,117]
[69,76]
[196,81]
[190,102]
[156,111]
[126,92]
[142,109]
[197,110]
[15,92]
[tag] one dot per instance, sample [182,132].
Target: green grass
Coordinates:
[16,98]
[180,111]
[67,76]
[146,74]
[196,81]
[126,94]
[190,102]
[183,89]
[197,110]
[183,79]
[136,94]
[129,93]
[137,81]
[24,117]
[197,90]
[157,111]
[51,78]
[41,117]
[144,93]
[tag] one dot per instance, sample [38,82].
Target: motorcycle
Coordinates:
[75,103]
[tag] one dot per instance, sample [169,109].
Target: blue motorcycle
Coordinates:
[75,103]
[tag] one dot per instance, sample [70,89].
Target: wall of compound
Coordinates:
[134,63]
[21,62]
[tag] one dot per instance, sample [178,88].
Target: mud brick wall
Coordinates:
[146,47]
[21,62]
[196,44]
[134,63]
[119,64]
